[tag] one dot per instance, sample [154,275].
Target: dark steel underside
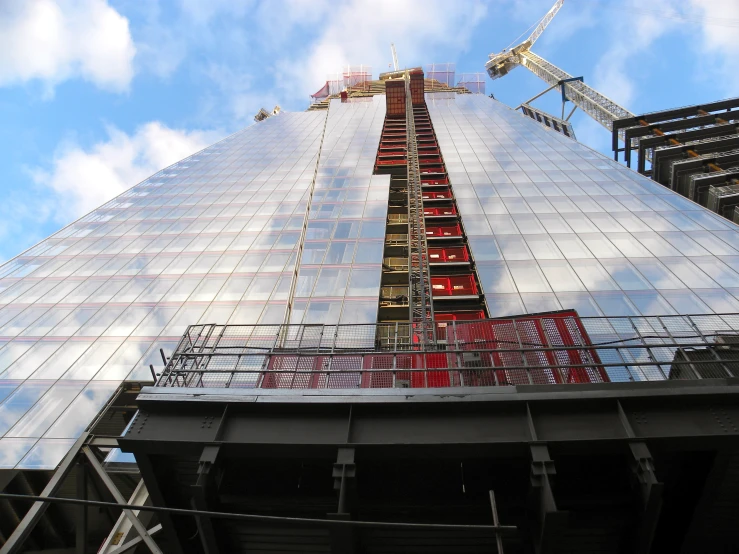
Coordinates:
[610,467]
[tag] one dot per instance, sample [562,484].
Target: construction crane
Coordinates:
[601,108]
[395,57]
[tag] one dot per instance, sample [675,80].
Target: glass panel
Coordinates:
[650,303]
[561,276]
[615,304]
[592,275]
[20,401]
[46,454]
[495,278]
[92,360]
[686,302]
[12,450]
[625,275]
[31,360]
[127,321]
[501,305]
[541,302]
[153,323]
[582,302]
[364,282]
[62,360]
[543,247]
[39,418]
[514,247]
[571,246]
[528,277]
[368,252]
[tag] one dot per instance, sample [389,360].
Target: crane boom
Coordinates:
[544,22]
[395,57]
[601,108]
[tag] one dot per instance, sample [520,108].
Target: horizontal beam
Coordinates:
[496,423]
[678,113]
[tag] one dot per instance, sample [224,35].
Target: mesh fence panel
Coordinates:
[541,349]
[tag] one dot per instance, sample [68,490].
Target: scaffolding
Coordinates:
[356,77]
[441,72]
[474,82]
[421,302]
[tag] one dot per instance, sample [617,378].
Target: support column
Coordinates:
[642,466]
[549,522]
[203,498]
[343,538]
[157,499]
[81,527]
[651,489]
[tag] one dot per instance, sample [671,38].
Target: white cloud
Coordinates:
[83,179]
[633,35]
[360,32]
[54,40]
[720,44]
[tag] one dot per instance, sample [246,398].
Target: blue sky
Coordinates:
[95,95]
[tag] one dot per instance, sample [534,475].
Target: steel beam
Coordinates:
[203,498]
[110,485]
[651,494]
[157,499]
[123,526]
[549,522]
[134,542]
[81,527]
[343,539]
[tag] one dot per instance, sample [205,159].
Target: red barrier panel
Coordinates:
[436,195]
[450,254]
[444,231]
[443,211]
[455,285]
[460,316]
[439,181]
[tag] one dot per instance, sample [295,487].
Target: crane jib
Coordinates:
[598,106]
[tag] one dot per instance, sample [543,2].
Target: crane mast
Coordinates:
[601,108]
[395,57]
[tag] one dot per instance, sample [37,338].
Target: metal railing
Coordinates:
[555,348]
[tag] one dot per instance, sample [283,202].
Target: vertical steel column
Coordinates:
[421,303]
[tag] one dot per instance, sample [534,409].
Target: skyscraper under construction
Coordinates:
[408,319]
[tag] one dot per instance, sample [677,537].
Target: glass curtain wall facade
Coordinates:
[555,225]
[214,237]
[341,262]
[261,229]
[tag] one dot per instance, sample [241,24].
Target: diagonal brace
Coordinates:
[110,485]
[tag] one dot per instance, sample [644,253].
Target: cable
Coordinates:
[264,518]
[515,40]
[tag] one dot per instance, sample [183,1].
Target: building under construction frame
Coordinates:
[692,150]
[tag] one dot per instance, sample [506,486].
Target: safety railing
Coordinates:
[551,348]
